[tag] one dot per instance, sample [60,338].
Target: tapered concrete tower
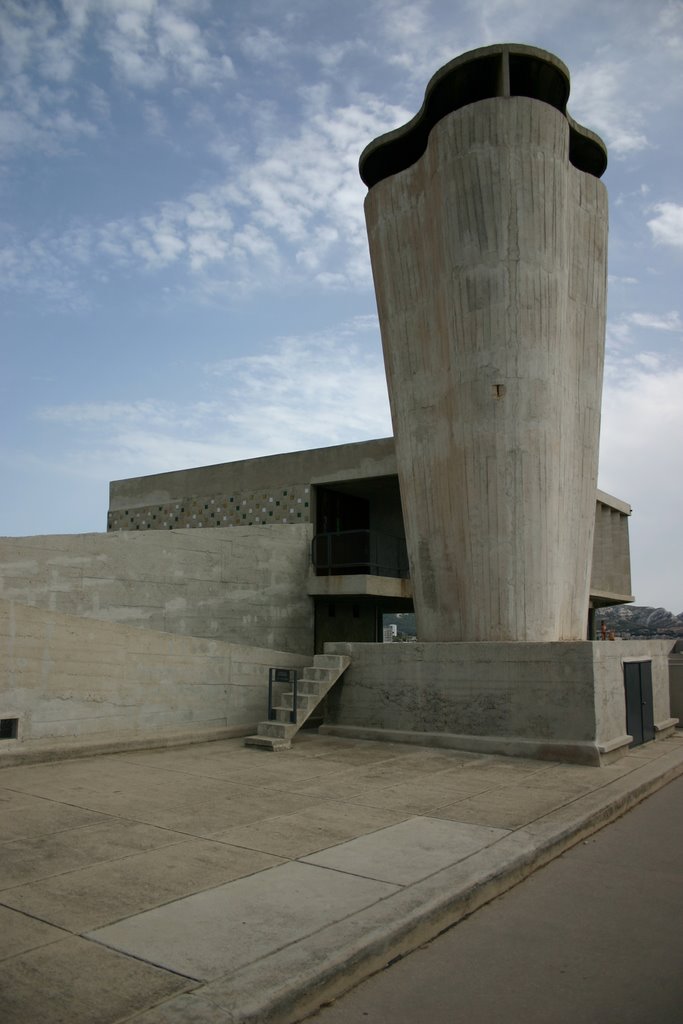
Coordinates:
[487,225]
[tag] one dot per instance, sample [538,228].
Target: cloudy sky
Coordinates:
[183,265]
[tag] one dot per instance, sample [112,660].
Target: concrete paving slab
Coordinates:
[211,812]
[195,804]
[494,774]
[345,753]
[79,982]
[42,817]
[424,795]
[26,860]
[97,895]
[283,772]
[76,780]
[216,932]
[316,828]
[219,759]
[19,933]
[352,782]
[509,807]
[407,852]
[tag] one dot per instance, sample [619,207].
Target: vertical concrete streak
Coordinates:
[489,260]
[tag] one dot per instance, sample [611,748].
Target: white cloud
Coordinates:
[667,224]
[640,461]
[620,332]
[295,212]
[614,279]
[303,392]
[601,100]
[150,42]
[658,322]
[263,45]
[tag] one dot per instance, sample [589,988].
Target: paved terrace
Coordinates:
[218,884]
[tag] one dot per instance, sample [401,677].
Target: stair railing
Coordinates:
[282,675]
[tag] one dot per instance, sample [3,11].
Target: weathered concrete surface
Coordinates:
[193,840]
[245,585]
[73,681]
[316,465]
[563,701]
[489,262]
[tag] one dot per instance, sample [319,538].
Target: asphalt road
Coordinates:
[595,937]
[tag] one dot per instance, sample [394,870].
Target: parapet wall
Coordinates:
[557,701]
[241,585]
[78,685]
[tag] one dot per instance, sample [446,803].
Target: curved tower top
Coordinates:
[506,69]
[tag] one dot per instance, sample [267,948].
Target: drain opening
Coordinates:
[9,728]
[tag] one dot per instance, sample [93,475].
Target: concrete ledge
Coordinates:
[359,585]
[616,744]
[665,728]
[516,746]
[12,753]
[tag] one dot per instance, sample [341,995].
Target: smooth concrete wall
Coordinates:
[80,684]
[243,585]
[489,262]
[559,701]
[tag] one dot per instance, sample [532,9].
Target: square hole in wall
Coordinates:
[9,728]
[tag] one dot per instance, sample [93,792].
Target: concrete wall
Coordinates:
[611,563]
[273,489]
[489,262]
[676,682]
[563,701]
[610,707]
[80,684]
[243,585]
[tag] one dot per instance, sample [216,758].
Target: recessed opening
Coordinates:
[9,728]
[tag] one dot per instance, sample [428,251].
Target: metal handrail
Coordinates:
[355,551]
[283,675]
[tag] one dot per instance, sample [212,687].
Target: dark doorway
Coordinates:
[339,512]
[640,722]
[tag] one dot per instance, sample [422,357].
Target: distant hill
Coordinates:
[629,621]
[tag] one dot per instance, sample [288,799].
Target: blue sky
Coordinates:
[183,264]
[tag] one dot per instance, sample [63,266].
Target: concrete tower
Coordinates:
[487,225]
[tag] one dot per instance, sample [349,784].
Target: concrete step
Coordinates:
[321,674]
[277,730]
[283,715]
[303,700]
[267,743]
[312,687]
[335,661]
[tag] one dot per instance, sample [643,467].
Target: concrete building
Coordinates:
[487,224]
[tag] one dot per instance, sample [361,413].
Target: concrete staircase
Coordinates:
[315,682]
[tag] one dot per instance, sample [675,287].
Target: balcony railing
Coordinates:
[353,552]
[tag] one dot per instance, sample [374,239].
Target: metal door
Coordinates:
[639,706]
